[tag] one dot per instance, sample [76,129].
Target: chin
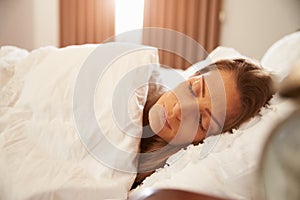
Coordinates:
[155,119]
[151,124]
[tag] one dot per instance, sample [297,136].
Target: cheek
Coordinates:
[189,132]
[166,134]
[169,95]
[168,100]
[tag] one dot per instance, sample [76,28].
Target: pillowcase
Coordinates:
[9,56]
[171,77]
[229,170]
[42,153]
[282,55]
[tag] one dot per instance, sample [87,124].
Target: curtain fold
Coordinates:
[92,21]
[86,21]
[198,19]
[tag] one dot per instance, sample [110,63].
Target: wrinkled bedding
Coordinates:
[42,156]
[226,165]
[41,153]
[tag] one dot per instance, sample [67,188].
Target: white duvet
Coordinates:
[230,168]
[42,157]
[41,154]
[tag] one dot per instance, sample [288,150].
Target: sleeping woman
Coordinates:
[201,107]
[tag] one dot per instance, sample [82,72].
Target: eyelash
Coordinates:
[191,89]
[200,120]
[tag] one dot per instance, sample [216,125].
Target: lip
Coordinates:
[165,117]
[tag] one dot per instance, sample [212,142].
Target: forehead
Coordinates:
[222,88]
[232,94]
[231,90]
[220,80]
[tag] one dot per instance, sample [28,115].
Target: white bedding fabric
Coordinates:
[229,170]
[9,55]
[282,55]
[37,158]
[41,154]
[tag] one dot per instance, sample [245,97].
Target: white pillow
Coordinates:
[42,155]
[219,53]
[229,170]
[282,55]
[171,77]
[9,56]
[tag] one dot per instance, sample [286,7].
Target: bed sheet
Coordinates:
[226,165]
[41,153]
[228,170]
[9,55]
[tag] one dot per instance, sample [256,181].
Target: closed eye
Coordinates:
[200,124]
[195,95]
[203,87]
[191,89]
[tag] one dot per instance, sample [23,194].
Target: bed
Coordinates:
[45,155]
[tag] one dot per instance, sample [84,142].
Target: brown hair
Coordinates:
[255,87]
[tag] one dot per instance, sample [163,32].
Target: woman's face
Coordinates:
[196,108]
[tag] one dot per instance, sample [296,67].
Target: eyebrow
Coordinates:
[213,117]
[203,87]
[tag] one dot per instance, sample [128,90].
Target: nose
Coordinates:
[182,109]
[177,111]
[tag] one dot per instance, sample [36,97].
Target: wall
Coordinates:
[16,23]
[46,22]
[29,23]
[252,26]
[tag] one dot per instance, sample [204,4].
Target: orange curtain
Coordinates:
[86,21]
[198,19]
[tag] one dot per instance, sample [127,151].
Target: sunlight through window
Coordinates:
[129,15]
